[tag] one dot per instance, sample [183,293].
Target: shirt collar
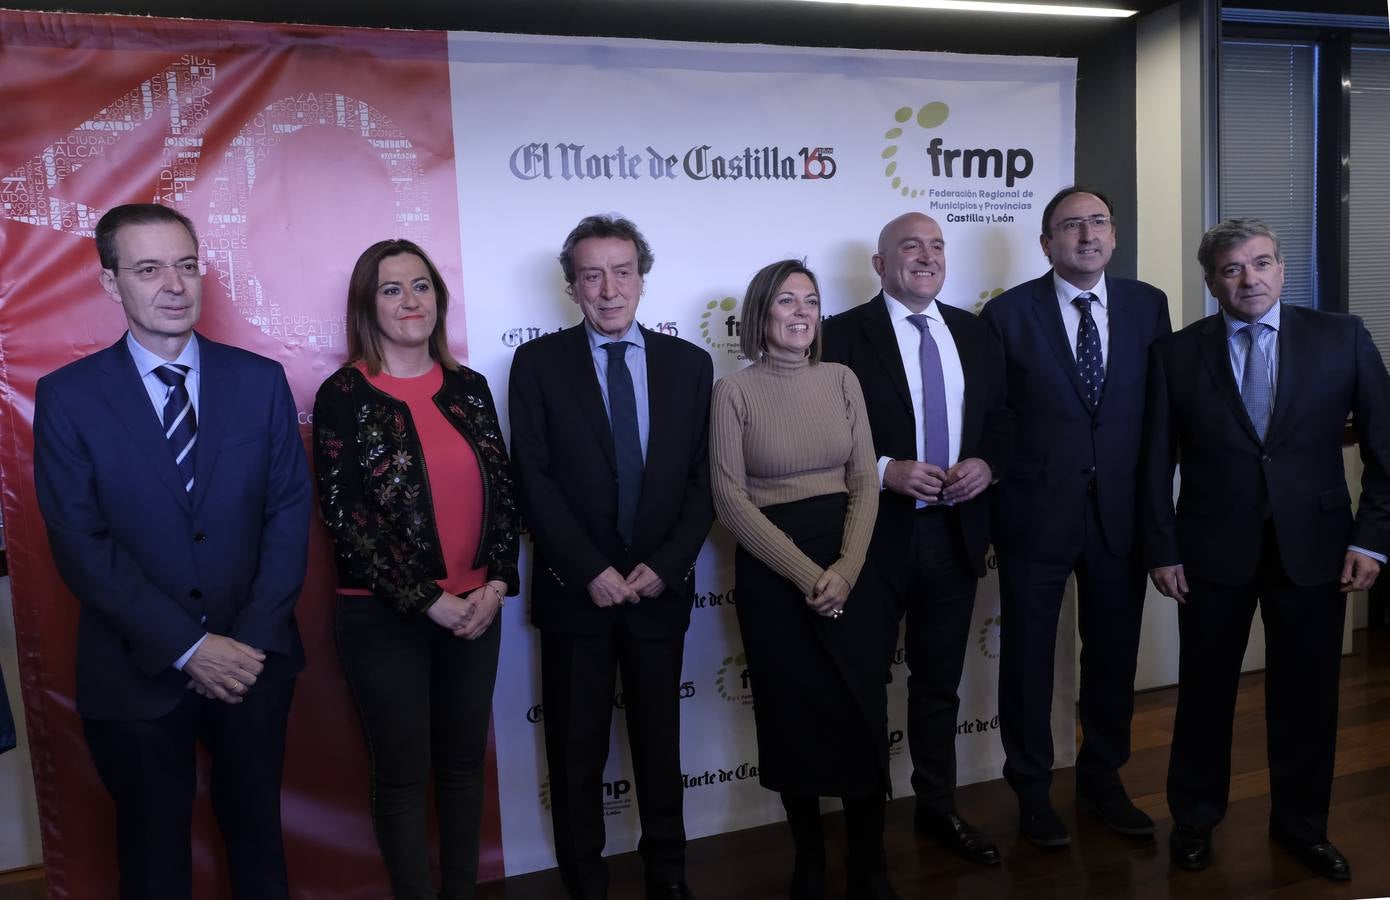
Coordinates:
[898,311]
[1233,325]
[1067,292]
[633,335]
[146,362]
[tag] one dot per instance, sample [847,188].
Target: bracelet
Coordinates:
[501,598]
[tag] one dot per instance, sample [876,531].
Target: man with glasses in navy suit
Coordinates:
[172,478]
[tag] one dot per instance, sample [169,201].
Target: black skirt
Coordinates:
[819,684]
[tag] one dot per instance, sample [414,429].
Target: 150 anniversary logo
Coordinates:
[571,162]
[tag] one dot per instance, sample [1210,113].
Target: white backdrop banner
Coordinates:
[728,158]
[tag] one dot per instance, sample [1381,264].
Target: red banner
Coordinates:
[291,148]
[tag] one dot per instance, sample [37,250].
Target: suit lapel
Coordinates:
[878,332]
[661,408]
[972,419]
[1124,352]
[217,389]
[1291,350]
[1049,317]
[1217,356]
[125,392]
[579,365]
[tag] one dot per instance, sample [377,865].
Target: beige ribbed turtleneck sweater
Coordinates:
[784,431]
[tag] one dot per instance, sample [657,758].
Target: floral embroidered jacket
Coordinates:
[374,492]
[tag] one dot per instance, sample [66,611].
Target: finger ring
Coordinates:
[836,613]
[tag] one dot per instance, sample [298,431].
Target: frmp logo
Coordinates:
[988,638]
[616,796]
[897,742]
[979,163]
[732,680]
[985,297]
[719,326]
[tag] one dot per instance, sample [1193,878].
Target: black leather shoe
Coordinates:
[957,835]
[1113,807]
[1322,857]
[676,890]
[1190,847]
[1042,826]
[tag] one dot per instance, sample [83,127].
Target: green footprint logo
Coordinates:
[932,115]
[989,637]
[985,297]
[709,319]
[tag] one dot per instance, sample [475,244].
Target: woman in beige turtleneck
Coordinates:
[795,482]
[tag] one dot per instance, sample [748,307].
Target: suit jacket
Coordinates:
[566,472]
[862,338]
[1328,367]
[153,566]
[1061,444]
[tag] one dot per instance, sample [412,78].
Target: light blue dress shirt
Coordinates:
[636,358]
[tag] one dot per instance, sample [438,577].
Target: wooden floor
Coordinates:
[754,864]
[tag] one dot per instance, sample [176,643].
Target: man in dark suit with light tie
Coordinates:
[610,430]
[1076,341]
[1253,402]
[933,380]
[172,478]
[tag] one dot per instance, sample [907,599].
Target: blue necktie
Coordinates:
[1090,363]
[936,439]
[180,422]
[627,443]
[1255,390]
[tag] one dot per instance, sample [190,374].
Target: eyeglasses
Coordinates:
[1072,226]
[184,268]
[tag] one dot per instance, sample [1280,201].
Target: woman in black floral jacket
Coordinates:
[416,489]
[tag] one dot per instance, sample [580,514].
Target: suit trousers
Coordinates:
[425,698]
[1110,606]
[150,769]
[933,586]
[578,673]
[1303,657]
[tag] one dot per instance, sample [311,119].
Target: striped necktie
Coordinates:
[180,421]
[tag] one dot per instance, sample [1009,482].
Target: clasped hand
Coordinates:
[610,589]
[223,669]
[470,615]
[924,481]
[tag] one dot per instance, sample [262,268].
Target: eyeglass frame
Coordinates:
[1098,222]
[157,269]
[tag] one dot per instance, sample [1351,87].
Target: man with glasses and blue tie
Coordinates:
[1252,403]
[172,478]
[1076,343]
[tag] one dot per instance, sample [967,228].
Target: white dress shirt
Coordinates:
[1071,316]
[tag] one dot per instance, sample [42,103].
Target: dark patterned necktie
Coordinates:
[180,421]
[1254,382]
[627,442]
[936,439]
[1090,364]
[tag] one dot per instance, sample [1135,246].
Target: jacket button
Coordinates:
[199,537]
[1266,458]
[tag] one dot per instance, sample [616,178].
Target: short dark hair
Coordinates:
[1228,233]
[118,217]
[605,226]
[1063,194]
[757,302]
[363,329]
